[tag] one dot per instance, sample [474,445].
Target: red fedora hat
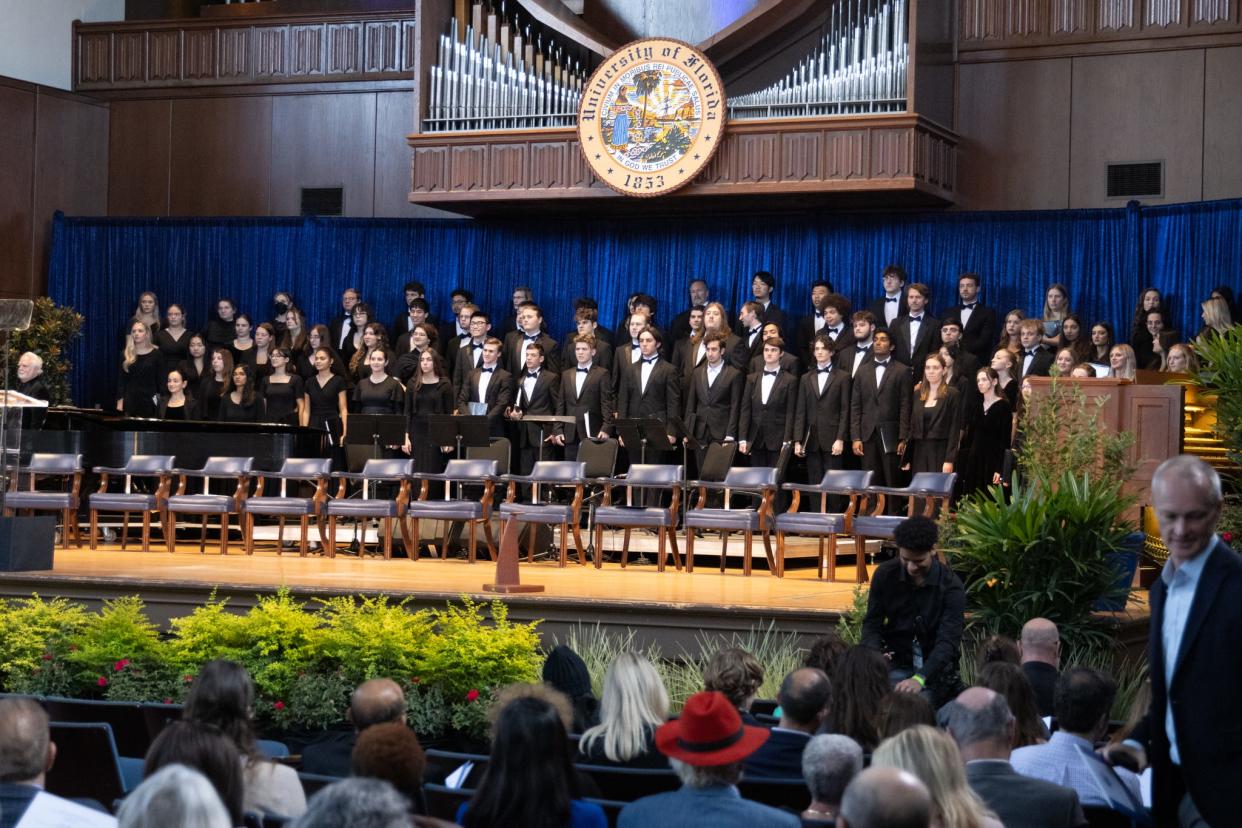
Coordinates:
[709,732]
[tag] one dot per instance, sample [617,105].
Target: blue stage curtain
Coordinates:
[1104,257]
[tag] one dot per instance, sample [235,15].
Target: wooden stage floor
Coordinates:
[665,606]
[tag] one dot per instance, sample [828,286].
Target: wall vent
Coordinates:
[1139,179]
[323,201]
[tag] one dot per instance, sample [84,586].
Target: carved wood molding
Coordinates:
[795,156]
[219,52]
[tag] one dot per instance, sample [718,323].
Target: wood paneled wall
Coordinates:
[53,156]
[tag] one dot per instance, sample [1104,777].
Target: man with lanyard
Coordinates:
[915,613]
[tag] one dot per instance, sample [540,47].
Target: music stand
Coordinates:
[376,429]
[542,420]
[642,431]
[467,430]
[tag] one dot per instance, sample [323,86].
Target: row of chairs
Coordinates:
[647,496]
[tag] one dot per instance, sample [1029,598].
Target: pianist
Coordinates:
[30,377]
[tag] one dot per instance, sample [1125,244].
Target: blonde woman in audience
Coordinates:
[933,757]
[1181,359]
[633,705]
[1216,316]
[1121,362]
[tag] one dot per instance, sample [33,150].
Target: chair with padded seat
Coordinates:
[460,509]
[934,488]
[642,477]
[551,473]
[87,764]
[294,472]
[236,469]
[153,469]
[63,468]
[823,524]
[367,506]
[757,482]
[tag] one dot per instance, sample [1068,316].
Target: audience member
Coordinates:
[377,701]
[1084,698]
[861,682]
[390,751]
[223,696]
[358,803]
[825,650]
[829,762]
[706,747]
[1041,660]
[932,756]
[984,728]
[566,671]
[738,675]
[30,376]
[899,711]
[27,755]
[885,798]
[1009,680]
[174,795]
[202,748]
[805,698]
[633,705]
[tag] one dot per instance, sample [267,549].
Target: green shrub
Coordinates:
[465,653]
[51,330]
[35,640]
[373,637]
[119,637]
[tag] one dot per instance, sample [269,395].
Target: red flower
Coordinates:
[279,705]
[103,682]
[121,665]
[416,680]
[167,700]
[187,679]
[47,656]
[1227,537]
[473,695]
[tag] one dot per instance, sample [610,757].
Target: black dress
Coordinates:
[325,412]
[1010,392]
[280,400]
[231,412]
[192,376]
[139,386]
[207,399]
[989,439]
[387,397]
[420,402]
[176,412]
[174,350]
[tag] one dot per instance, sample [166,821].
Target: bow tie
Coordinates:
[916,318]
[824,370]
[891,298]
[532,374]
[634,346]
[770,373]
[970,306]
[530,337]
[584,370]
[463,337]
[650,360]
[1030,353]
[835,331]
[880,364]
[862,349]
[488,370]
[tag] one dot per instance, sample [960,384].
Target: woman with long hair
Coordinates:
[359,318]
[220,328]
[421,339]
[378,392]
[264,342]
[222,696]
[1063,364]
[1005,364]
[374,338]
[196,363]
[1217,318]
[1009,681]
[173,339]
[530,779]
[1149,300]
[242,345]
[991,428]
[1181,359]
[284,394]
[147,310]
[215,384]
[935,420]
[1102,341]
[859,684]
[1009,338]
[1056,308]
[1072,337]
[327,401]
[293,338]
[241,404]
[428,392]
[178,404]
[1121,362]
[933,757]
[633,705]
[141,375]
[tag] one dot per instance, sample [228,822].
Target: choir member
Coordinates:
[417,311]
[378,392]
[1009,339]
[147,311]
[822,420]
[964,362]
[643,303]
[1035,359]
[837,325]
[1217,318]
[360,317]
[750,336]
[261,355]
[761,288]
[30,377]
[470,354]
[1121,362]
[789,362]
[810,325]
[586,323]
[917,334]
[242,404]
[242,345]
[1072,337]
[935,420]
[374,338]
[880,412]
[1063,363]
[978,320]
[1149,300]
[1056,307]
[521,295]
[326,406]
[852,358]
[1101,343]
[989,430]
[318,337]
[587,396]
[410,350]
[1181,359]
[650,390]
[141,374]
[1083,370]
[453,337]
[699,295]
[341,328]
[887,308]
[428,392]
[177,404]
[214,384]
[713,397]
[282,302]
[687,353]
[529,329]
[488,388]
[629,350]
[284,394]
[219,331]
[296,334]
[537,392]
[172,339]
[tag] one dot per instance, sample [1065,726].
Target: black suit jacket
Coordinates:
[1203,695]
[499,397]
[780,757]
[945,423]
[915,353]
[468,358]
[822,419]
[741,351]
[715,410]
[776,315]
[768,425]
[597,400]
[569,357]
[661,399]
[1021,801]
[1041,363]
[978,334]
[877,308]
[337,327]
[330,754]
[789,364]
[515,365]
[543,401]
[1043,678]
[846,357]
[887,405]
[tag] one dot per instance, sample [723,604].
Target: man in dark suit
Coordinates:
[488,386]
[30,376]
[965,363]
[688,354]
[1194,652]
[822,422]
[587,395]
[880,412]
[628,350]
[837,326]
[537,392]
[458,326]
[766,420]
[342,325]
[984,728]
[530,329]
[373,702]
[679,328]
[978,320]
[521,295]
[761,287]
[750,336]
[713,397]
[887,308]
[1035,360]
[399,334]
[453,337]
[918,333]
[804,699]
[649,389]
[470,351]
[864,328]
[1040,645]
[586,323]
[789,362]
[813,322]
